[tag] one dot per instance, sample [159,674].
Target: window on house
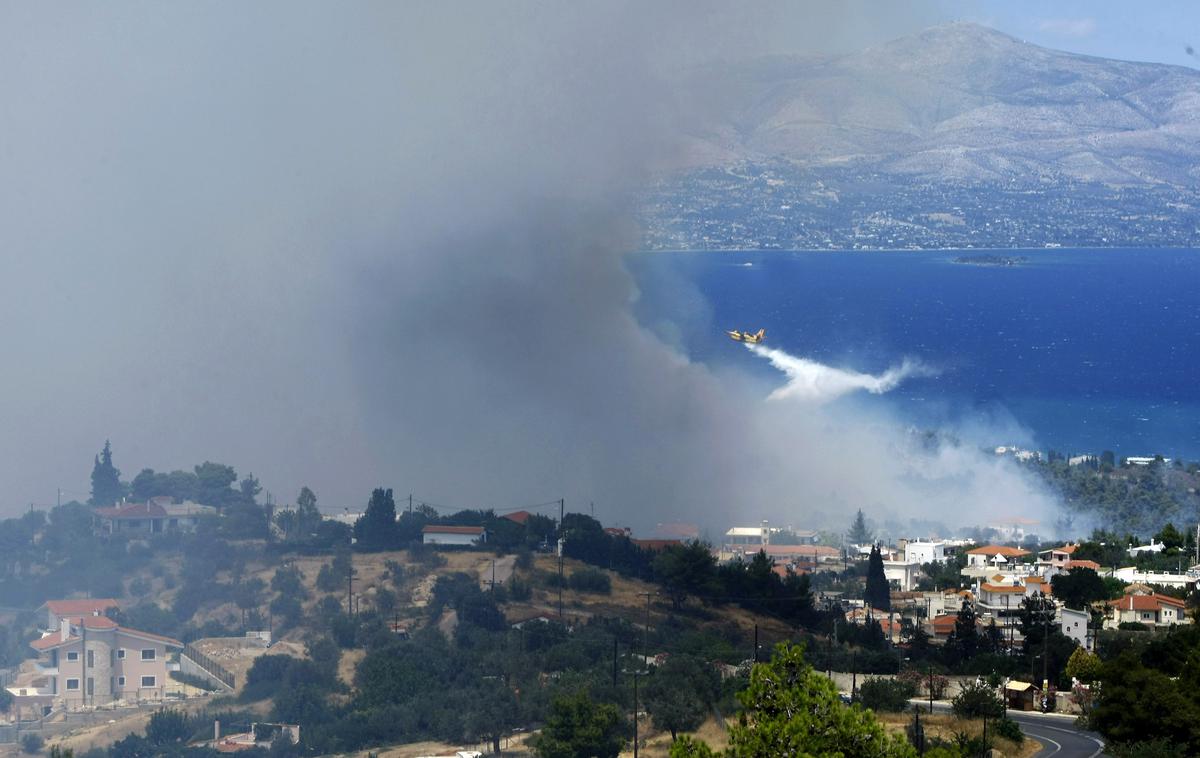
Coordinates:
[148,681]
[120,681]
[91,655]
[148,654]
[120,653]
[73,655]
[72,684]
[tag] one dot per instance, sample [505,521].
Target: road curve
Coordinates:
[1059,738]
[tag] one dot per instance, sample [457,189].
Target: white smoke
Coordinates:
[816,382]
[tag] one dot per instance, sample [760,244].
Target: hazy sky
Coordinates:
[371,244]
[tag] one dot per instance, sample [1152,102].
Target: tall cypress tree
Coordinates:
[106,479]
[859,534]
[878,594]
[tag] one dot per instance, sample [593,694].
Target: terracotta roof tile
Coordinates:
[439,529]
[80,606]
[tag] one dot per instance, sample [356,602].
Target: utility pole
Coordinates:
[853,678]
[646,630]
[614,660]
[756,642]
[410,503]
[561,515]
[493,576]
[931,688]
[1045,658]
[635,713]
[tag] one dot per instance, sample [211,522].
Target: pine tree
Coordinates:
[106,479]
[376,529]
[964,640]
[859,534]
[878,593]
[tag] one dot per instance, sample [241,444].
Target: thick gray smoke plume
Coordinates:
[381,245]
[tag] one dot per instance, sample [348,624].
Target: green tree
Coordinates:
[214,484]
[492,713]
[790,709]
[1079,587]
[886,694]
[859,534]
[1084,666]
[578,726]
[1171,537]
[308,517]
[106,479]
[964,640]
[376,528]
[977,700]
[248,595]
[681,692]
[878,592]
[167,726]
[249,489]
[685,570]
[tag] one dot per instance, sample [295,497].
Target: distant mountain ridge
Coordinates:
[959,102]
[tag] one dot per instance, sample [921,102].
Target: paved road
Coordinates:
[1058,734]
[1060,738]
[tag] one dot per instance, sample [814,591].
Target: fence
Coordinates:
[216,670]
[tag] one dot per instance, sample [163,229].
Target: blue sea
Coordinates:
[1081,350]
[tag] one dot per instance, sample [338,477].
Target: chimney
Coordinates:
[216,730]
[64,630]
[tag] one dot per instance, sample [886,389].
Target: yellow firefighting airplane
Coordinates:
[737,336]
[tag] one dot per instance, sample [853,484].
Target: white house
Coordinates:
[1074,624]
[994,556]
[1153,547]
[925,552]
[435,534]
[1131,575]
[748,536]
[902,573]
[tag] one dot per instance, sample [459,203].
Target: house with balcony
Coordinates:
[983,562]
[91,661]
[1057,558]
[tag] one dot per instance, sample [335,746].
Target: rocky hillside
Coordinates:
[960,102]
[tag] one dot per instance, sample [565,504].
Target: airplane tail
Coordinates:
[761,333]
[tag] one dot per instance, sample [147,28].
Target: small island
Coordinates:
[989,259]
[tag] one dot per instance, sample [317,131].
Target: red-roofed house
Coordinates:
[1083,564]
[943,625]
[1151,609]
[656,545]
[994,555]
[519,517]
[91,660]
[155,516]
[131,518]
[437,534]
[57,610]
[1057,557]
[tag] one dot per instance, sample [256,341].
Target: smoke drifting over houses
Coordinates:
[382,246]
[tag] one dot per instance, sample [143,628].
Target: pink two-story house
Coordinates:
[90,660]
